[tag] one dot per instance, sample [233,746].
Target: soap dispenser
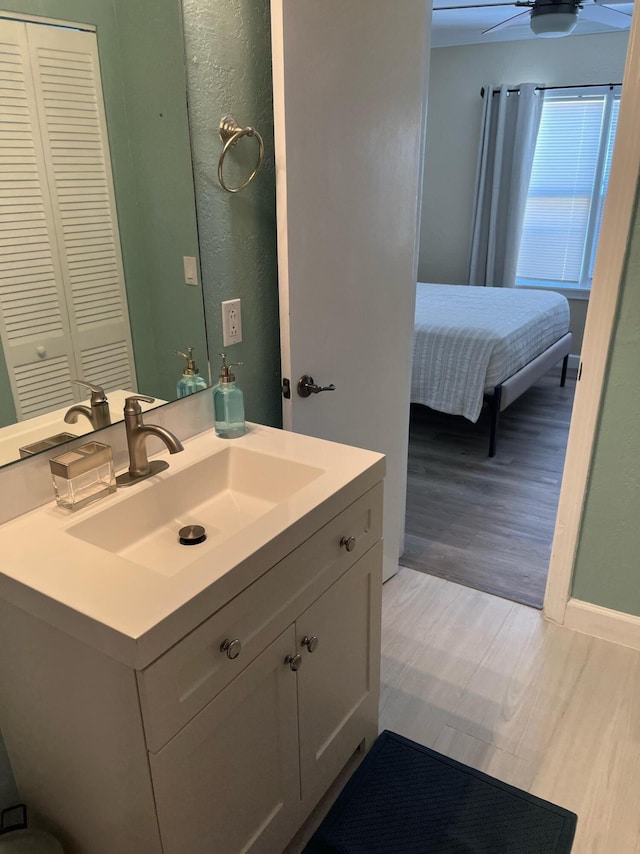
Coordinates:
[190,381]
[228,403]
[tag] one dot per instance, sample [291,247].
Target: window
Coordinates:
[568,185]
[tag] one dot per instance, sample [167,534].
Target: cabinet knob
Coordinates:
[311,643]
[231,647]
[349,543]
[294,662]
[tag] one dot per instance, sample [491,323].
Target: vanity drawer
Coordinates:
[181,682]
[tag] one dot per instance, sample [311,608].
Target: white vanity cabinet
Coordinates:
[229,779]
[212,747]
[243,774]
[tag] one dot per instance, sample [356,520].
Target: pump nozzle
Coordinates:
[190,367]
[225,374]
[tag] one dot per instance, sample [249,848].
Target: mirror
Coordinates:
[142,77]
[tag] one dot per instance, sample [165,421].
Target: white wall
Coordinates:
[453,126]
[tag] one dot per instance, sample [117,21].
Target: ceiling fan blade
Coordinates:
[506,23]
[471,6]
[605,15]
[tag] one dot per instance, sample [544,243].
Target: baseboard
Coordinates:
[614,626]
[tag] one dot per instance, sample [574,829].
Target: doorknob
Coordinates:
[307,387]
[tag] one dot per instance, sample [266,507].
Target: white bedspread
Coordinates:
[469,339]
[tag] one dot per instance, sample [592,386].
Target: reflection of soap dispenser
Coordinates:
[190,381]
[228,403]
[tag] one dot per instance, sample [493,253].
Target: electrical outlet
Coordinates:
[231,322]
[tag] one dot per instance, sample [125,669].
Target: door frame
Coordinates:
[617,222]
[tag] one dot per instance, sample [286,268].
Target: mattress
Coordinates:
[469,339]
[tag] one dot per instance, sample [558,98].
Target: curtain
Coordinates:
[510,121]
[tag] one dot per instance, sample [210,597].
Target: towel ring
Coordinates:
[230,133]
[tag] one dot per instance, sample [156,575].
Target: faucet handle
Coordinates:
[131,405]
[97,392]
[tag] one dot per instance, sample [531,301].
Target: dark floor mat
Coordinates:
[405,798]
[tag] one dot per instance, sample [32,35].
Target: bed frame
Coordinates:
[511,389]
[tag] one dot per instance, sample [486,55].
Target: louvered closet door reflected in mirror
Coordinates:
[63,308]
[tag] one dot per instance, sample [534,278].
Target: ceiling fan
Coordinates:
[553,18]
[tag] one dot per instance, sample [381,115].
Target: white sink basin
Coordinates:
[224,493]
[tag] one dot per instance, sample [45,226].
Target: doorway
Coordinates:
[489,523]
[306,230]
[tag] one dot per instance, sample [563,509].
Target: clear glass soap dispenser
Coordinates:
[190,381]
[228,403]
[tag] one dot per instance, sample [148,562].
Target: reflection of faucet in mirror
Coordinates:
[137,433]
[98,410]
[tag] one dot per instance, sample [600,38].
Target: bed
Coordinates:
[474,345]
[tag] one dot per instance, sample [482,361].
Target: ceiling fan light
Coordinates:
[555,24]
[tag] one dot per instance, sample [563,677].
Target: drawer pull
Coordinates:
[311,643]
[349,543]
[294,662]
[232,648]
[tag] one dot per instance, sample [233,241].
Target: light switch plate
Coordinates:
[190,270]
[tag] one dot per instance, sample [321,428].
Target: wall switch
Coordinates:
[231,322]
[190,270]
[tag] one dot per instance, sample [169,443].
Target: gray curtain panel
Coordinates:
[510,122]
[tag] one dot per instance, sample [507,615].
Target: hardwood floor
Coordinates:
[492,684]
[488,523]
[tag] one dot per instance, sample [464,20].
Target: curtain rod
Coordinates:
[549,88]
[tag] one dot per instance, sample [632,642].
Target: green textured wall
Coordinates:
[229,71]
[143,71]
[607,566]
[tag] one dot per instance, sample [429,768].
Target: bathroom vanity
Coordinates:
[187,699]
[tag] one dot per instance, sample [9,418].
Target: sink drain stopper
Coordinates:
[191,535]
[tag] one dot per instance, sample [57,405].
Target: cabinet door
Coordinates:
[338,683]
[229,781]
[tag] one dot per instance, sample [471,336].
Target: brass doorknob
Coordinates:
[294,661]
[311,643]
[232,648]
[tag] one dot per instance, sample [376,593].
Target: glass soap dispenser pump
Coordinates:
[190,381]
[228,403]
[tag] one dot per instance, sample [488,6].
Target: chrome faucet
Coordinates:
[98,410]
[137,434]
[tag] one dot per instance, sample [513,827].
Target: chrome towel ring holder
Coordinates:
[230,133]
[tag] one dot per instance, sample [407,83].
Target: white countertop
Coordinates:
[134,614]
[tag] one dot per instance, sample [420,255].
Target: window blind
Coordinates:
[561,189]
